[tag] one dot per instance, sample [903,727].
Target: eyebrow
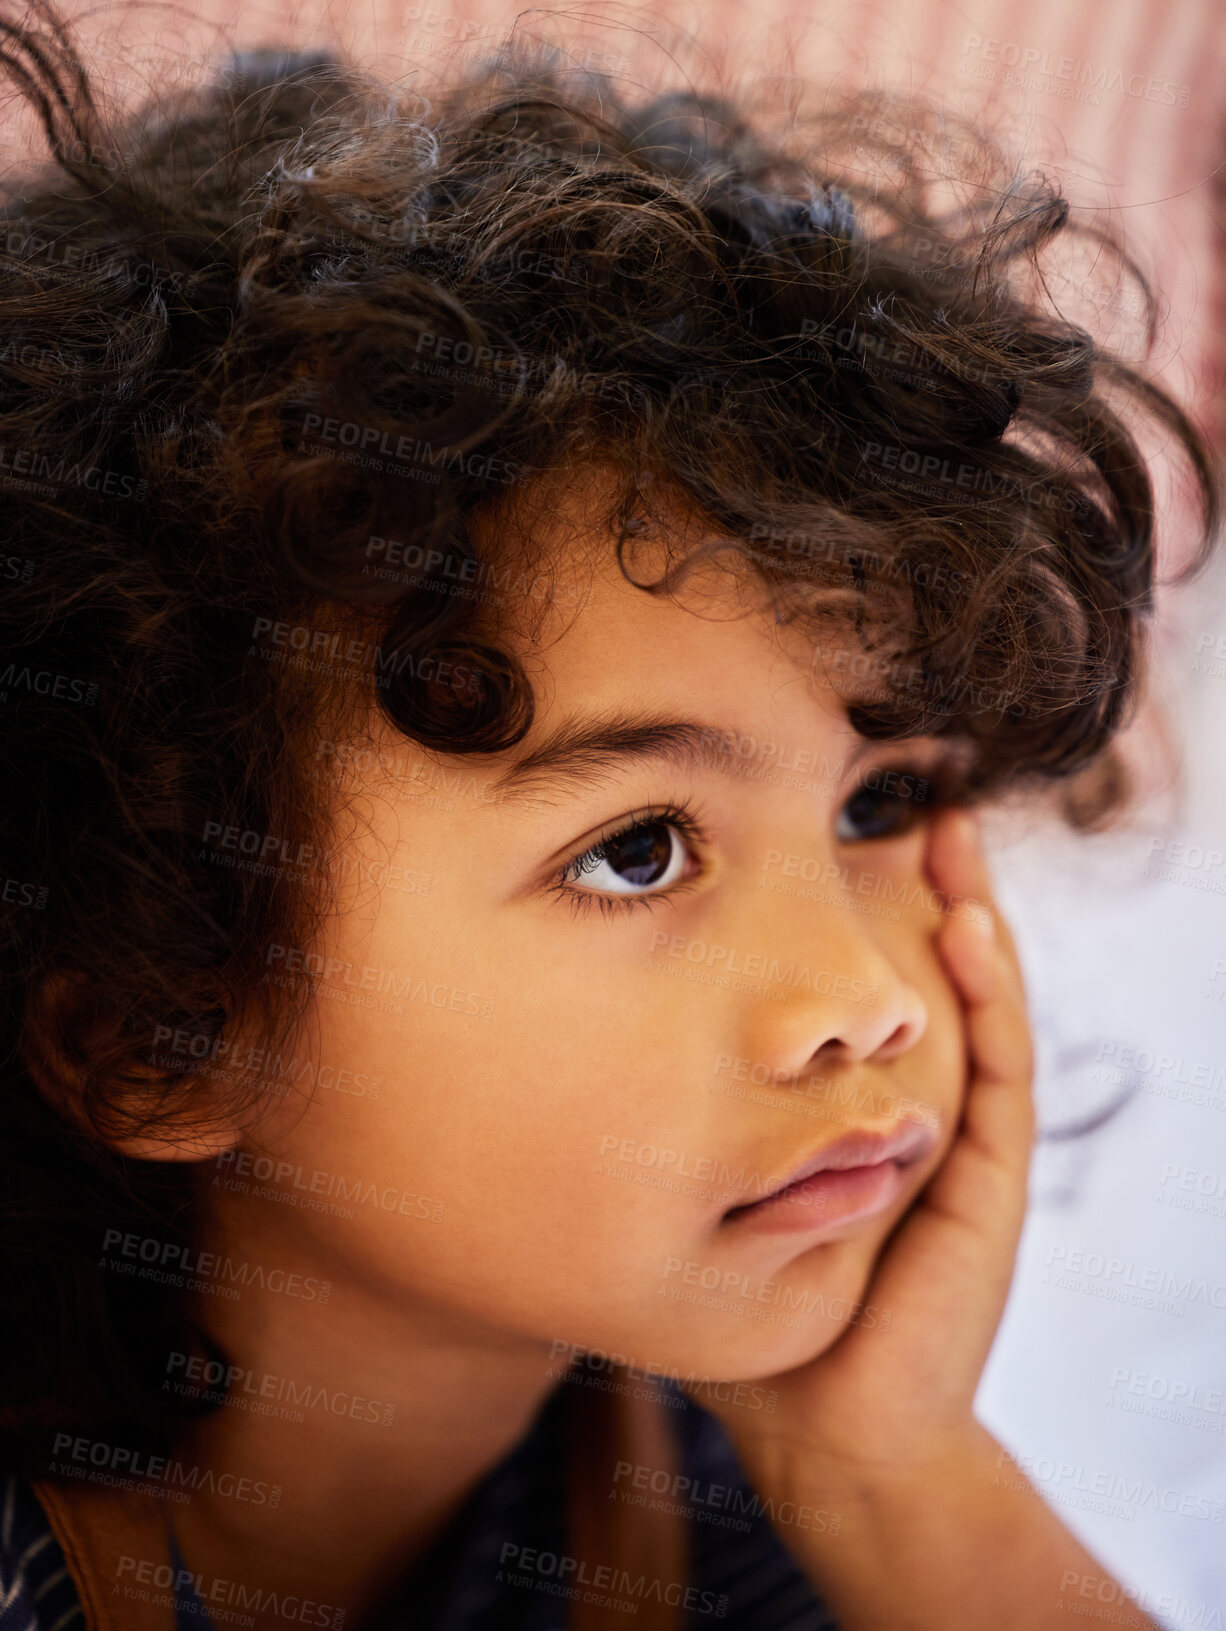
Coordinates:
[583,751]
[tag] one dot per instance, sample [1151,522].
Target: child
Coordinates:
[518,1099]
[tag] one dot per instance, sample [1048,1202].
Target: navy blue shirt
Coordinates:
[502,1564]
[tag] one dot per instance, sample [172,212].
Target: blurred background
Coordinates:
[1108,1379]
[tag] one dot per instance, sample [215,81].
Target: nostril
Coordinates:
[904,1035]
[833,1048]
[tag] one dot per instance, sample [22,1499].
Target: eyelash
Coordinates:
[683,817]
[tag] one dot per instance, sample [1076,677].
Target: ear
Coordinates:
[55,1050]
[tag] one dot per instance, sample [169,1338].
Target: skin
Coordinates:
[515,1124]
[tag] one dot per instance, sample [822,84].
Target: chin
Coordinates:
[805,1315]
[740,1349]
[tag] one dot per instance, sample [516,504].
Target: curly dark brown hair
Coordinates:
[275,344]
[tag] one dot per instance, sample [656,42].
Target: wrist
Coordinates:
[947,1536]
[801,1466]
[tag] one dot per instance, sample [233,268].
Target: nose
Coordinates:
[847,1001]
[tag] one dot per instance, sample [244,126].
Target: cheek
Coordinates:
[511,1137]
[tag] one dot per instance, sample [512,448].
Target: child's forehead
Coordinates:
[602,640]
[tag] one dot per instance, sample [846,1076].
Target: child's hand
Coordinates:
[892,1399]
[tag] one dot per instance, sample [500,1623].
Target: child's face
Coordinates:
[586,1093]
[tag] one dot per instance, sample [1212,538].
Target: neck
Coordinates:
[374,1416]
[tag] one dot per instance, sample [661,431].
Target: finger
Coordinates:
[989,984]
[959,868]
[999,1112]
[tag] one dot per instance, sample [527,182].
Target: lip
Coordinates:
[856,1176]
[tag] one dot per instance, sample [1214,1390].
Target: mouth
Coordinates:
[856,1177]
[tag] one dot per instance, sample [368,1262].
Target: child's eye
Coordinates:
[649,855]
[637,863]
[886,807]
